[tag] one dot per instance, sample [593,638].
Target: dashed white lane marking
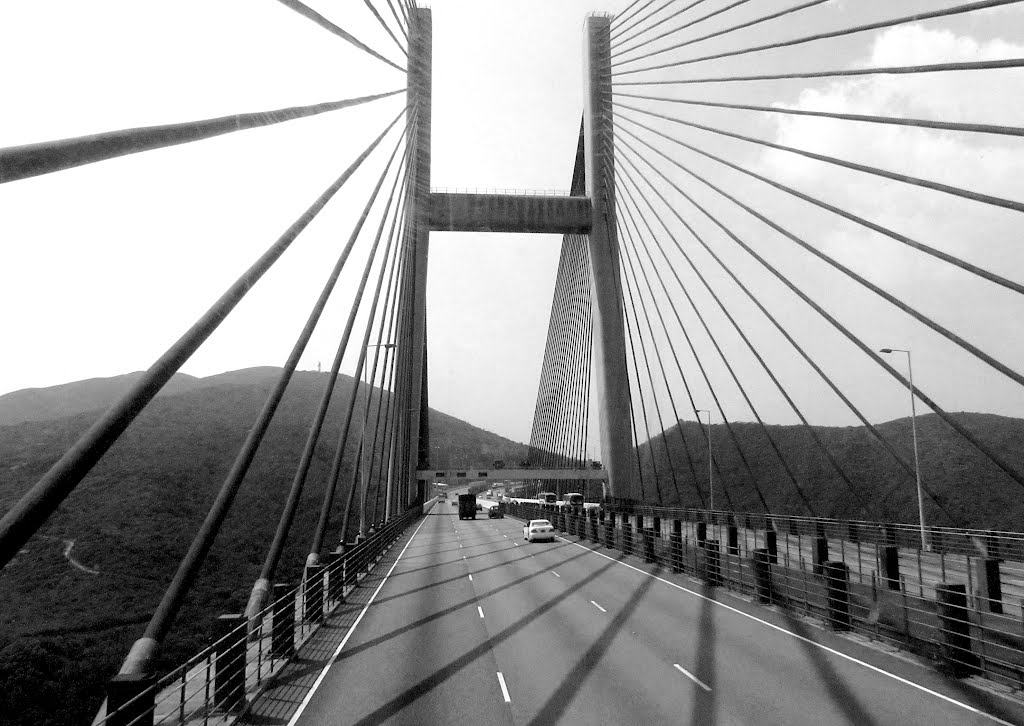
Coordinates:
[505,536]
[504,688]
[555,574]
[471,578]
[692,677]
[598,606]
[480,610]
[812,643]
[460,544]
[337,652]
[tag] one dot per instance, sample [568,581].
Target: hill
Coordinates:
[44,404]
[69,617]
[973,492]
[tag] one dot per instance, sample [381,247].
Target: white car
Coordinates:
[538,529]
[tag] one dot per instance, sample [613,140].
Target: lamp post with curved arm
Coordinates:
[711,468]
[913,428]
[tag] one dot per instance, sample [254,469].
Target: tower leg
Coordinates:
[612,379]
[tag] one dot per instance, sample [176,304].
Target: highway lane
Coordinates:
[580,638]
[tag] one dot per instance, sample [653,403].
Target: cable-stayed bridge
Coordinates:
[707,266]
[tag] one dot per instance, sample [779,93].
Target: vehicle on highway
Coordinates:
[455,502]
[573,500]
[468,506]
[496,512]
[547,498]
[479,507]
[538,529]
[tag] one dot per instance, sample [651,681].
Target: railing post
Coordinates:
[648,535]
[676,545]
[130,699]
[313,598]
[820,554]
[335,577]
[955,626]
[282,639]
[229,677]
[772,541]
[988,586]
[627,535]
[702,533]
[609,530]
[763,576]
[837,577]
[734,540]
[593,526]
[712,566]
[891,566]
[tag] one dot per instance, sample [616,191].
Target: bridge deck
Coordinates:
[582,638]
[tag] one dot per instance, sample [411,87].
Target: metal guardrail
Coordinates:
[508,192]
[217,684]
[957,605]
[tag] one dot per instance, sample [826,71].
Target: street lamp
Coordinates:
[365,469]
[711,469]
[913,428]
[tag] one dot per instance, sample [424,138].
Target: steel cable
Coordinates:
[716,34]
[22,162]
[650,377]
[907,467]
[992,455]
[888,297]
[36,505]
[946,12]
[789,400]
[874,171]
[920,246]
[311,14]
[1004,64]
[673,31]
[188,569]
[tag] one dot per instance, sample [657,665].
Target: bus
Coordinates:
[547,498]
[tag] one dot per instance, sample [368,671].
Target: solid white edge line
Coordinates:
[480,610]
[504,688]
[833,651]
[323,673]
[692,677]
[598,606]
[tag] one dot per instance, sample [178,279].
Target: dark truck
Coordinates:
[467,506]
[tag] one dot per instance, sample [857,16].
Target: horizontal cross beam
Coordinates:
[509,213]
[500,475]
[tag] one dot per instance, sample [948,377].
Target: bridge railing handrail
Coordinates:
[963,610]
[192,690]
[506,192]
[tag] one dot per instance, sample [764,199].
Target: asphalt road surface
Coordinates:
[476,626]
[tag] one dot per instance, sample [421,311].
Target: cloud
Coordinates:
[984,235]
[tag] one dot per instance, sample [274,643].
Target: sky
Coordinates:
[104,266]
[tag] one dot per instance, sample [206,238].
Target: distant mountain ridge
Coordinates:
[65,628]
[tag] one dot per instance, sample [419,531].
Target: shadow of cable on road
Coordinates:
[559,703]
[403,573]
[461,576]
[395,705]
[705,702]
[349,652]
[833,683]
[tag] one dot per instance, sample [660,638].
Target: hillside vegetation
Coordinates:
[973,491]
[64,630]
